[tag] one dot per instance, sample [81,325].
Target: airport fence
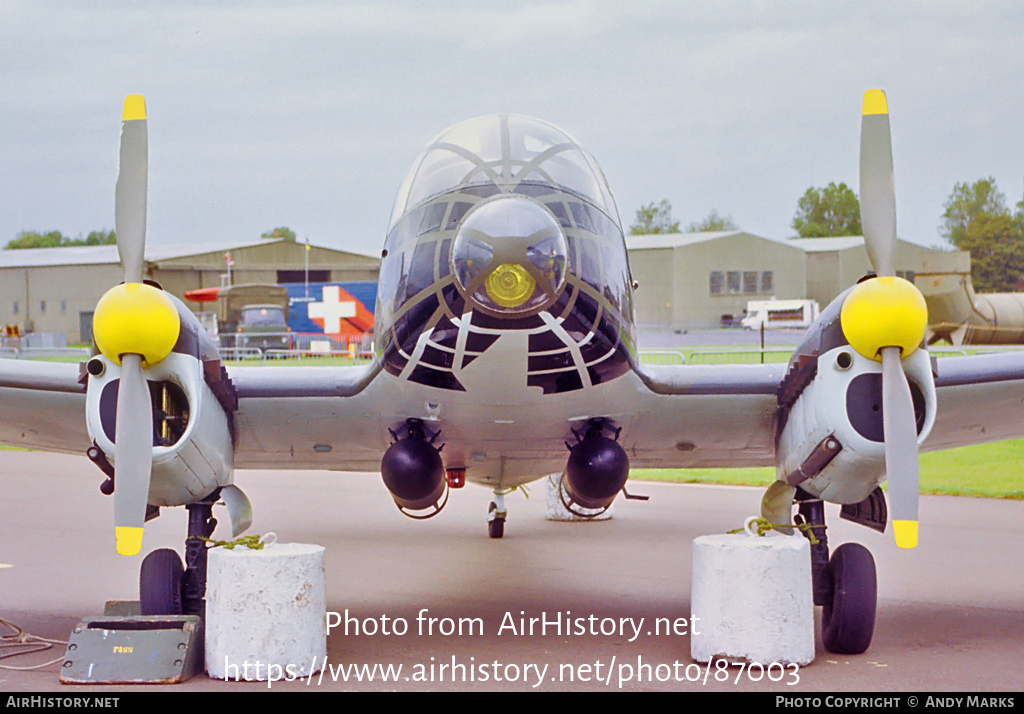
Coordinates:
[254,356]
[662,357]
[54,354]
[756,356]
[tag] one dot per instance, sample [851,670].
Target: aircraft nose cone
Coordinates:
[509,256]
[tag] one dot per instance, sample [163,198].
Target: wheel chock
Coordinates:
[153,649]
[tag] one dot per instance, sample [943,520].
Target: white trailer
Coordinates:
[780,314]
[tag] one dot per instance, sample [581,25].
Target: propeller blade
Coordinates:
[133,455]
[900,426]
[877,187]
[130,198]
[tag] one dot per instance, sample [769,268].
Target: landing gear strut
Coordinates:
[166,587]
[496,514]
[845,585]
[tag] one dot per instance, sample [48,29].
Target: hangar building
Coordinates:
[685,280]
[56,289]
[693,280]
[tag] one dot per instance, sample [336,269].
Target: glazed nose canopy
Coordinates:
[509,256]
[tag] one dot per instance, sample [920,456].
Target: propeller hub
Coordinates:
[135,318]
[884,312]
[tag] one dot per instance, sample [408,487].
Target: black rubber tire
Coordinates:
[160,583]
[848,621]
[496,528]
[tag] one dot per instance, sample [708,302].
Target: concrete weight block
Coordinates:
[266,608]
[752,597]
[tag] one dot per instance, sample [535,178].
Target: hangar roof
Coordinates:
[809,245]
[678,240]
[72,255]
[816,245]
[820,245]
[107,254]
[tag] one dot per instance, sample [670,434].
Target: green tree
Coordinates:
[977,220]
[279,233]
[101,238]
[654,219]
[33,239]
[55,239]
[830,211]
[713,222]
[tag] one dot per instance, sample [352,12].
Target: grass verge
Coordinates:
[985,470]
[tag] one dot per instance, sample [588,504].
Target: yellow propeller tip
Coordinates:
[129,540]
[134,108]
[874,102]
[906,533]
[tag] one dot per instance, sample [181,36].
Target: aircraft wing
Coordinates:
[308,417]
[684,416]
[980,399]
[283,413]
[706,416]
[43,406]
[725,416]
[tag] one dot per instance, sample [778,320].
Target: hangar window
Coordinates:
[732,282]
[42,306]
[63,307]
[749,282]
[15,307]
[767,282]
[299,276]
[716,282]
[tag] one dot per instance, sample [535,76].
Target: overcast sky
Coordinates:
[308,114]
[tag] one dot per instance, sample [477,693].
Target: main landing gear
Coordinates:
[168,587]
[845,585]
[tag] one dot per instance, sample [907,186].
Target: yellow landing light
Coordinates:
[134,318]
[906,533]
[884,312]
[129,540]
[510,285]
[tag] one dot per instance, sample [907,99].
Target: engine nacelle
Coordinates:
[595,473]
[831,441]
[414,474]
[192,451]
[192,440]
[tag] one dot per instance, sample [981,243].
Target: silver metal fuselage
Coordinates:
[505,374]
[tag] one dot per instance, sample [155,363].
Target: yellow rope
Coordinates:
[764,525]
[252,542]
[508,491]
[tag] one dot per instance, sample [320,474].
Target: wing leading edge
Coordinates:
[43,406]
[980,399]
[697,416]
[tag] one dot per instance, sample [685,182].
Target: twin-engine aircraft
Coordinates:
[506,351]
